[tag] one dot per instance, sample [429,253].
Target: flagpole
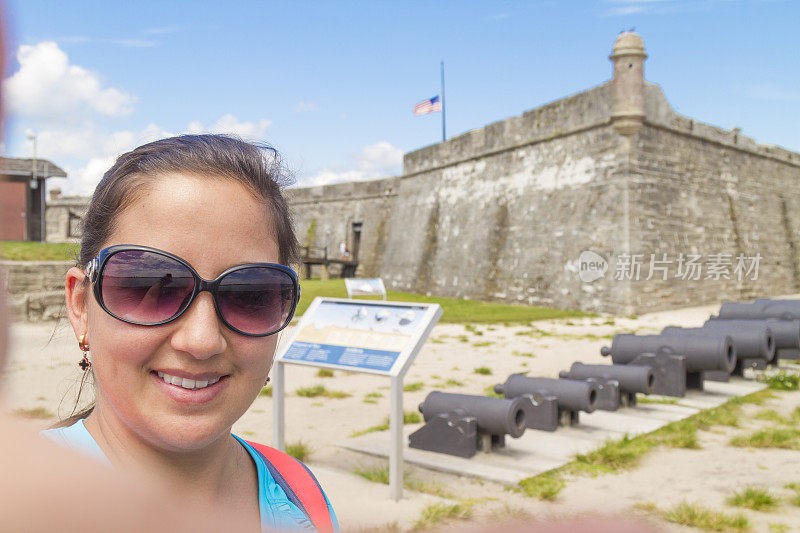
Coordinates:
[444,131]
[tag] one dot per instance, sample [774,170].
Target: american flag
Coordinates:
[431,105]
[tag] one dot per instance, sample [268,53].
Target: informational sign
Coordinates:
[375,337]
[365,287]
[359,335]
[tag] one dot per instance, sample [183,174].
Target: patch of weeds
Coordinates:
[248,433]
[369,400]
[612,456]
[299,450]
[522,354]
[483,370]
[771,415]
[755,498]
[544,486]
[693,515]
[462,338]
[436,341]
[266,391]
[524,364]
[320,390]
[632,317]
[41,399]
[409,417]
[726,414]
[372,397]
[490,328]
[661,400]
[785,438]
[324,373]
[436,489]
[782,380]
[436,513]
[679,434]
[376,474]
[413,387]
[779,528]
[259,411]
[317,404]
[482,344]
[450,382]
[34,412]
[472,329]
[610,322]
[489,391]
[795,499]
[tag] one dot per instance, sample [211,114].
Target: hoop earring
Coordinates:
[267,381]
[85,364]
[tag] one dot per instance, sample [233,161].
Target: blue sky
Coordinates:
[332,84]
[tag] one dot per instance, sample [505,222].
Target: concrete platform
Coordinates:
[538,451]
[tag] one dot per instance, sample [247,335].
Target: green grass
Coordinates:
[522,354]
[489,391]
[771,415]
[413,387]
[436,513]
[37,251]
[782,380]
[483,370]
[376,474]
[779,528]
[34,412]
[455,310]
[544,486]
[450,382]
[666,401]
[320,390]
[299,450]
[266,391]
[482,344]
[785,438]
[693,515]
[755,498]
[324,373]
[409,417]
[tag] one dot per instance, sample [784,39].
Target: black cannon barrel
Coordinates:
[752,336]
[630,378]
[749,341]
[779,309]
[786,333]
[498,416]
[570,394]
[706,352]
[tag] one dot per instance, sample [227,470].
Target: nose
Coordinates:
[199,329]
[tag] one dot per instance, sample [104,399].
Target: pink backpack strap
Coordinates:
[302,483]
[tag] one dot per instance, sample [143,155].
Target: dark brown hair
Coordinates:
[257,167]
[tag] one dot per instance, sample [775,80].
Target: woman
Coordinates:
[179,293]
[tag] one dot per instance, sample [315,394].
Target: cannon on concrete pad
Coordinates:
[462,424]
[700,353]
[755,345]
[630,379]
[571,396]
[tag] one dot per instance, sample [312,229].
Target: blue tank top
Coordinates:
[275,508]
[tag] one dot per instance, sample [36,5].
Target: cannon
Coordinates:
[754,339]
[462,424]
[678,361]
[630,379]
[571,396]
[783,317]
[755,346]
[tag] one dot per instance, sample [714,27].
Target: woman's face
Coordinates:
[213,224]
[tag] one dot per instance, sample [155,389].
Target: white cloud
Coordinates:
[374,161]
[306,107]
[230,124]
[47,88]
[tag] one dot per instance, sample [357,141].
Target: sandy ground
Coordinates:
[42,372]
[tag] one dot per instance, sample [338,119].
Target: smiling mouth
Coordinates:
[185,383]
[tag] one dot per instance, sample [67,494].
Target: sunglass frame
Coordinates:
[95,268]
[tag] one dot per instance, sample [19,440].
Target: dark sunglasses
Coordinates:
[150,287]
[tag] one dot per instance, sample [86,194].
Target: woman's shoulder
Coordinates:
[289,489]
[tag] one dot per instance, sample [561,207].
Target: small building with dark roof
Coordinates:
[22,196]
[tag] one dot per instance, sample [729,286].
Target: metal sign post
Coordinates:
[373,337]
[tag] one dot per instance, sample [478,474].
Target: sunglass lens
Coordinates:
[256,300]
[145,287]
